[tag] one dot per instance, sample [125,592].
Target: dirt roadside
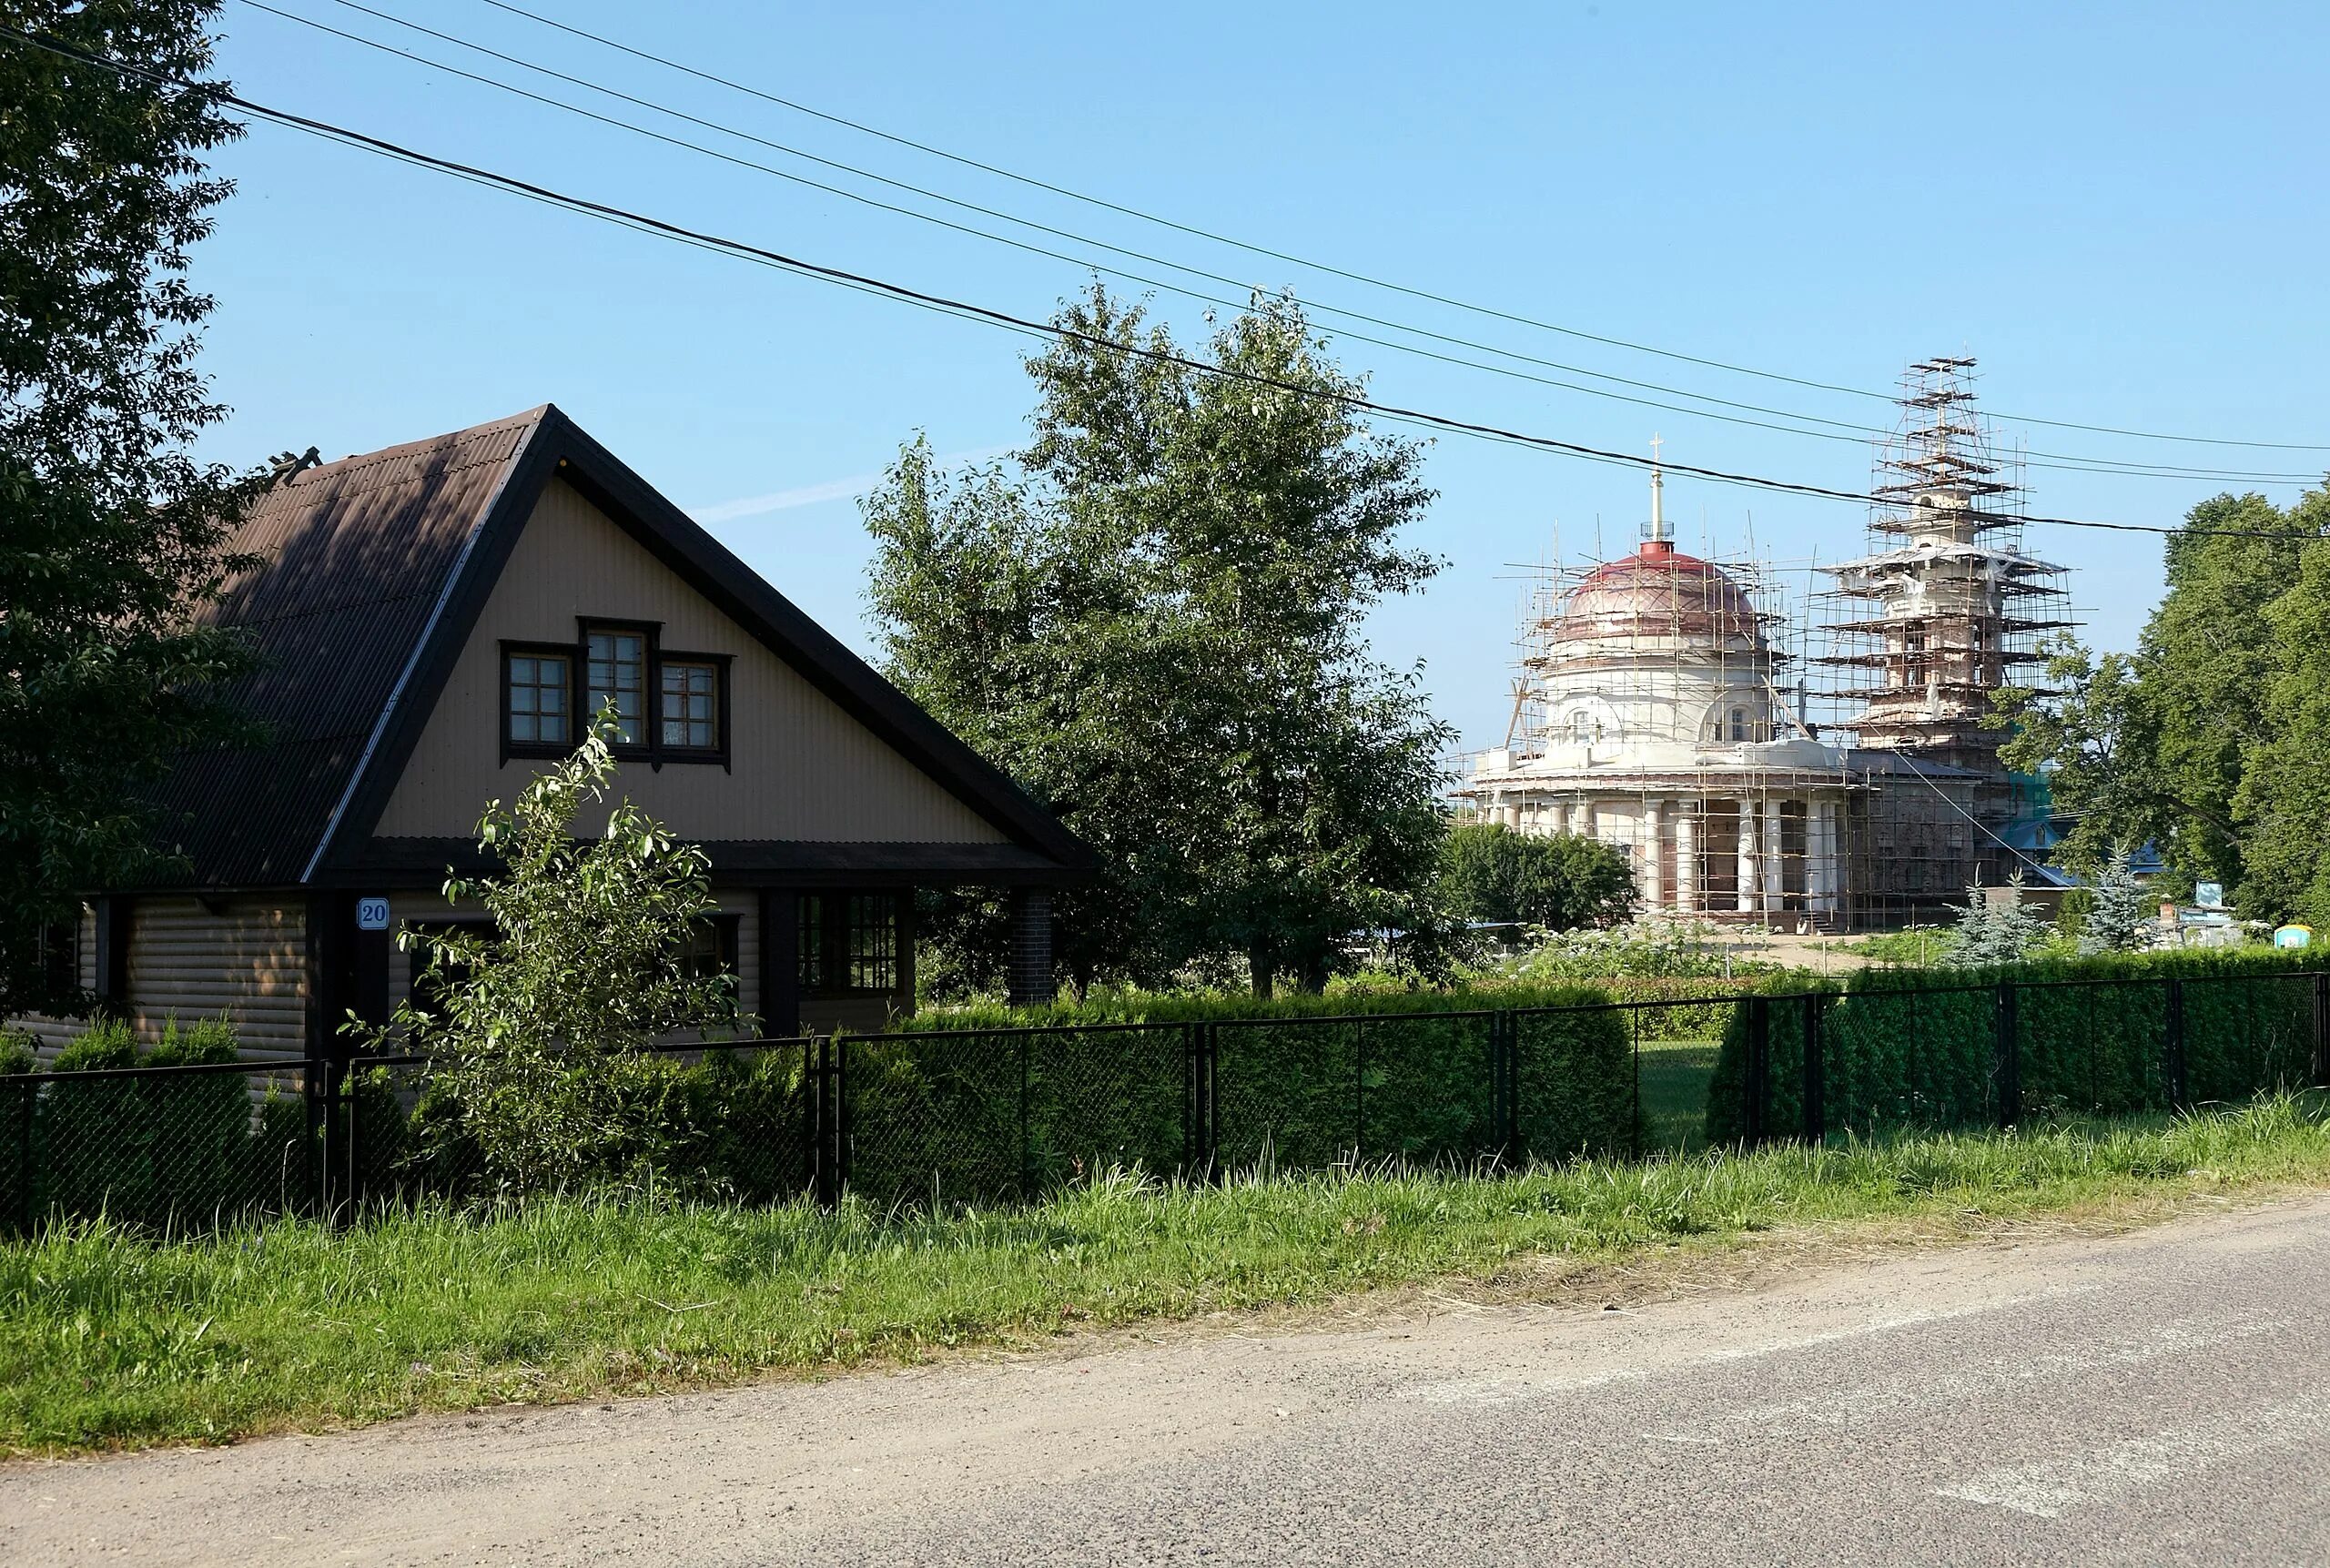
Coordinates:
[688,1474]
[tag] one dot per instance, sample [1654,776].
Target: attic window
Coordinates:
[618,668]
[690,713]
[536,690]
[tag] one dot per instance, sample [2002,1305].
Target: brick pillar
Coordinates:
[1031,983]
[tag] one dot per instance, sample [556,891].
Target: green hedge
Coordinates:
[162,1152]
[1917,1047]
[1301,1081]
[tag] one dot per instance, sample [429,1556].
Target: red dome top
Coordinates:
[1657,593]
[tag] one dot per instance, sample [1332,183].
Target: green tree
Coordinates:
[1488,872]
[2163,745]
[1155,627]
[535,1028]
[112,538]
[2119,912]
[2284,800]
[1995,931]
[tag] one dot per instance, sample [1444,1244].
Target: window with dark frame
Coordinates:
[535,703]
[849,943]
[710,948]
[430,978]
[689,713]
[873,936]
[618,673]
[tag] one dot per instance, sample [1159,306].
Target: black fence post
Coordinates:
[2322,1030]
[27,1104]
[1505,1110]
[1758,1088]
[1815,1069]
[1027,1151]
[2179,1097]
[1199,1047]
[2008,1040]
[822,1059]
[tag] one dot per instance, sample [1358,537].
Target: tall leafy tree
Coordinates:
[1156,625]
[2196,742]
[2284,801]
[1489,871]
[112,537]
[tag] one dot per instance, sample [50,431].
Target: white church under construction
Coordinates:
[1665,707]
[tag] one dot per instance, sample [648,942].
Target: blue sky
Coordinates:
[2117,208]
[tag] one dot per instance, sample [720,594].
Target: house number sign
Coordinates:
[371,914]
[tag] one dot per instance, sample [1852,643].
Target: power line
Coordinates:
[744,251]
[2058,462]
[1103,203]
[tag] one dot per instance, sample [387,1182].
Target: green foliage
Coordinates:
[2119,911]
[1904,1047]
[1156,629]
[112,537]
[2209,741]
[162,1152]
[1991,932]
[1488,872]
[535,1032]
[1301,1082]
[108,1340]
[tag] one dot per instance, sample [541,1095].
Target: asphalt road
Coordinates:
[2160,1396]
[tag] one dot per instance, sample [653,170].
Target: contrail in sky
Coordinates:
[831,490]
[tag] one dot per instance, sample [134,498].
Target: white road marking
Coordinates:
[1508,1389]
[2048,1488]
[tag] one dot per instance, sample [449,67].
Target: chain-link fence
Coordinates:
[1006,1114]
[168,1148]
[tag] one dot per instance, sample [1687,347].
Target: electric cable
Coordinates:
[745,250]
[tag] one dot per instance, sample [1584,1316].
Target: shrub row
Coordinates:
[1299,1082]
[164,1152]
[1919,1047]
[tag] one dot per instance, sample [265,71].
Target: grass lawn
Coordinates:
[1673,1080]
[107,1340]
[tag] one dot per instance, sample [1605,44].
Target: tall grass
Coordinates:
[110,1339]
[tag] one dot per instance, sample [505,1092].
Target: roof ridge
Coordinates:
[353,460]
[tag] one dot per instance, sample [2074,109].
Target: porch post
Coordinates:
[780,916]
[1031,982]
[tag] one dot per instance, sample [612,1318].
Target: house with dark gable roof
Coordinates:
[436,620]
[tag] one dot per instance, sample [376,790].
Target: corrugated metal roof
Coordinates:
[354,558]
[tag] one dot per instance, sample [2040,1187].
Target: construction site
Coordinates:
[1798,745]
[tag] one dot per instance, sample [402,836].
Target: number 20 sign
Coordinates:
[371,914]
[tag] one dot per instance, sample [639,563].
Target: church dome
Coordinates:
[1658,593]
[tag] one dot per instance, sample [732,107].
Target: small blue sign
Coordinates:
[371,914]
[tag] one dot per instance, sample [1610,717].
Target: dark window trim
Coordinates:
[514,748]
[721,680]
[727,941]
[650,748]
[649,633]
[831,933]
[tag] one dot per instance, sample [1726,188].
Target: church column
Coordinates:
[1772,856]
[1816,863]
[1588,824]
[1745,900]
[1654,887]
[1832,860]
[1687,860]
